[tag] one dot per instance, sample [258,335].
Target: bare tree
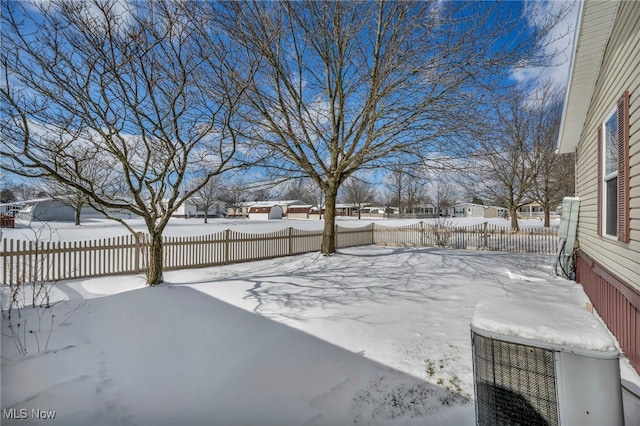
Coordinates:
[294,189]
[442,193]
[67,195]
[234,195]
[208,195]
[344,86]
[359,192]
[395,183]
[316,197]
[408,184]
[303,189]
[142,92]
[516,163]
[556,180]
[7,196]
[21,190]
[416,195]
[554,176]
[502,169]
[260,192]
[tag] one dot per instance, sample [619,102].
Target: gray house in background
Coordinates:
[49,209]
[45,209]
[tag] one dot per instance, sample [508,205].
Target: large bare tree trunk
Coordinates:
[514,218]
[547,217]
[328,246]
[154,270]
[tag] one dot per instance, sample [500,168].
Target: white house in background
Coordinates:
[242,210]
[373,211]
[10,209]
[468,210]
[531,210]
[193,208]
[265,211]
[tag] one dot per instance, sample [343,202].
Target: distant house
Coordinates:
[44,210]
[531,211]
[302,211]
[422,210]
[491,212]
[265,211]
[10,209]
[53,209]
[346,210]
[242,210]
[601,124]
[373,211]
[468,210]
[194,208]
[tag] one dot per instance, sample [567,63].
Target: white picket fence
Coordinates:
[28,261]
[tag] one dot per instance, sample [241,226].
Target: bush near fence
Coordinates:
[126,254]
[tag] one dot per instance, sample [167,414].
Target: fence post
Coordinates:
[137,252]
[227,243]
[373,232]
[290,238]
[485,232]
[4,262]
[421,226]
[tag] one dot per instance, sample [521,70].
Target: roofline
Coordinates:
[577,99]
[569,79]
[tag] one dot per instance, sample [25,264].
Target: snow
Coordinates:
[371,335]
[547,323]
[101,228]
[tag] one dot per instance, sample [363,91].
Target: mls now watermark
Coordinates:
[23,413]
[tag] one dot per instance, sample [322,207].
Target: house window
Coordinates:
[610,175]
[613,173]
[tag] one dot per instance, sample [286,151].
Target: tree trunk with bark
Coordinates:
[155,259]
[328,246]
[547,216]
[514,218]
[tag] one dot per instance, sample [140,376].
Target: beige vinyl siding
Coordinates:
[619,72]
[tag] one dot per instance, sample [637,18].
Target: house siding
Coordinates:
[619,73]
[609,270]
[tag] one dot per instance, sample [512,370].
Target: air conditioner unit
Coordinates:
[544,364]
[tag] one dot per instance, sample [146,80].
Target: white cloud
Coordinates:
[559,43]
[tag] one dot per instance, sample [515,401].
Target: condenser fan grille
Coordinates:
[515,384]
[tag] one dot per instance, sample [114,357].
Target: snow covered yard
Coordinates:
[372,335]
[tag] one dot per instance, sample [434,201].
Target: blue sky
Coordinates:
[561,39]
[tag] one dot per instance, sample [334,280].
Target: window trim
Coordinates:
[623,222]
[606,177]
